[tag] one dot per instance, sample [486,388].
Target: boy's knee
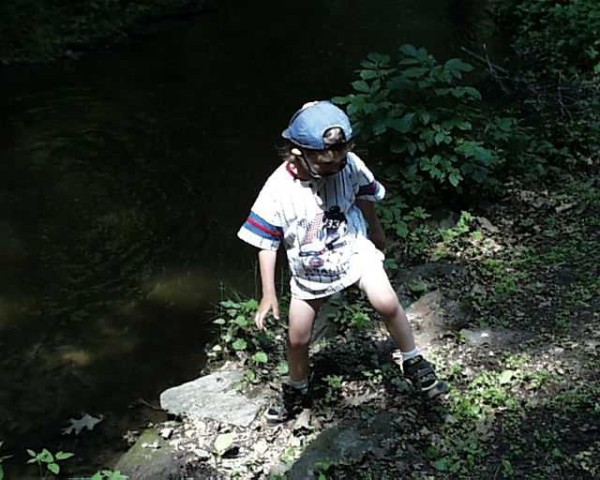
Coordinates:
[296,341]
[387,305]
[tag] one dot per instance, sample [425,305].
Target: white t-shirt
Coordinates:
[322,229]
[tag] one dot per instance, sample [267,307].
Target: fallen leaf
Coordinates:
[77,425]
[303,421]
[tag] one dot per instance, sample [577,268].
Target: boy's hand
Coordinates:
[267,303]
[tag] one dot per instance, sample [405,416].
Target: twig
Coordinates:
[493,67]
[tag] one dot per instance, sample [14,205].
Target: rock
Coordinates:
[350,441]
[324,327]
[487,225]
[494,338]
[160,463]
[434,315]
[214,397]
[201,454]
[426,277]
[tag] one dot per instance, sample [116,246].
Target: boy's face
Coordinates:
[326,162]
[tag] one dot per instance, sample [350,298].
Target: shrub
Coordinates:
[426,122]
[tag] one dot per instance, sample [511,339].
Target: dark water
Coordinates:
[126,174]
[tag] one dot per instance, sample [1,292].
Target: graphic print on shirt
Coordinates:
[320,247]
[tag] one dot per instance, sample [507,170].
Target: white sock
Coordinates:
[412,354]
[301,385]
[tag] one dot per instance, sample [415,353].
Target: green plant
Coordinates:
[556,74]
[48,462]
[374,377]
[426,121]
[451,239]
[323,467]
[261,351]
[351,316]
[334,387]
[561,36]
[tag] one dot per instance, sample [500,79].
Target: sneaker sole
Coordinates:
[437,389]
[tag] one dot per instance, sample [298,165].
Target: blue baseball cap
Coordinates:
[309,124]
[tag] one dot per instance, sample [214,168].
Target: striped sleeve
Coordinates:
[368,188]
[262,229]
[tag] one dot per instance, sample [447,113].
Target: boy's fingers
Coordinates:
[259,319]
[276,311]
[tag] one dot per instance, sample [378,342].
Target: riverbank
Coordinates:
[507,307]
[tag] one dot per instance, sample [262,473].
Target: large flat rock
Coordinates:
[214,397]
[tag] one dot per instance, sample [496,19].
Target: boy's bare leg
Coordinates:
[301,319]
[376,285]
[416,369]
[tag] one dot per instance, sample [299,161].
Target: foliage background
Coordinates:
[38,30]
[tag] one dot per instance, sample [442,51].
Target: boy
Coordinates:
[318,203]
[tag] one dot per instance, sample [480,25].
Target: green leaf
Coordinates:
[341,100]
[457,65]
[401,229]
[241,321]
[54,468]
[425,117]
[379,58]
[250,375]
[219,321]
[409,50]
[31,453]
[441,465]
[472,92]
[260,357]
[414,72]
[229,304]
[506,376]
[425,164]
[1,473]
[455,178]
[46,456]
[63,455]
[96,476]
[240,344]
[283,368]
[368,74]
[361,86]
[404,124]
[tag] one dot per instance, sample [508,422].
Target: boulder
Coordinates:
[435,315]
[215,397]
[349,441]
[151,458]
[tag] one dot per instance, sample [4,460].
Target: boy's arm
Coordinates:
[266,261]
[376,233]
